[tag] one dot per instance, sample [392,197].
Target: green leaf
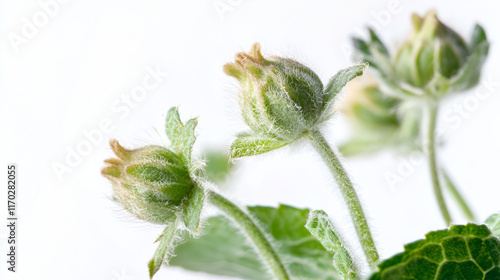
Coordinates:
[340,79]
[164,250]
[182,136]
[193,208]
[250,145]
[320,227]
[467,252]
[493,222]
[223,249]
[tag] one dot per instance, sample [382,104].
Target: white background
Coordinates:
[64,78]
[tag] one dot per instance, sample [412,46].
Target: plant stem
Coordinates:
[349,195]
[432,111]
[457,196]
[250,229]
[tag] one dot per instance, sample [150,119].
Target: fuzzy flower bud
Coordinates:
[434,60]
[433,48]
[279,97]
[150,182]
[281,100]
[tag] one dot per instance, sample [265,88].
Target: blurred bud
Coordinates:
[279,97]
[437,48]
[365,105]
[378,119]
[150,182]
[434,60]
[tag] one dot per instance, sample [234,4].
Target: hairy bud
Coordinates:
[150,182]
[279,97]
[281,100]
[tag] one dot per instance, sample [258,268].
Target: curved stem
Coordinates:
[250,229]
[349,195]
[432,110]
[457,196]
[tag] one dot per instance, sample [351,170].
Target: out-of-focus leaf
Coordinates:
[218,165]
[223,249]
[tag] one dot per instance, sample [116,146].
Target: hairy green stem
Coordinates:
[432,111]
[252,231]
[457,196]
[349,195]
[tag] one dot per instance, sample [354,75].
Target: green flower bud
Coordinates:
[433,61]
[279,97]
[281,100]
[161,185]
[150,182]
[432,48]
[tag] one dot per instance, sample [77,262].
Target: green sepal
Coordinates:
[188,138]
[478,37]
[377,43]
[192,210]
[174,126]
[164,250]
[340,79]
[374,52]
[470,73]
[182,136]
[248,144]
[166,182]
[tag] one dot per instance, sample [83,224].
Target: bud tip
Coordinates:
[119,151]
[111,171]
